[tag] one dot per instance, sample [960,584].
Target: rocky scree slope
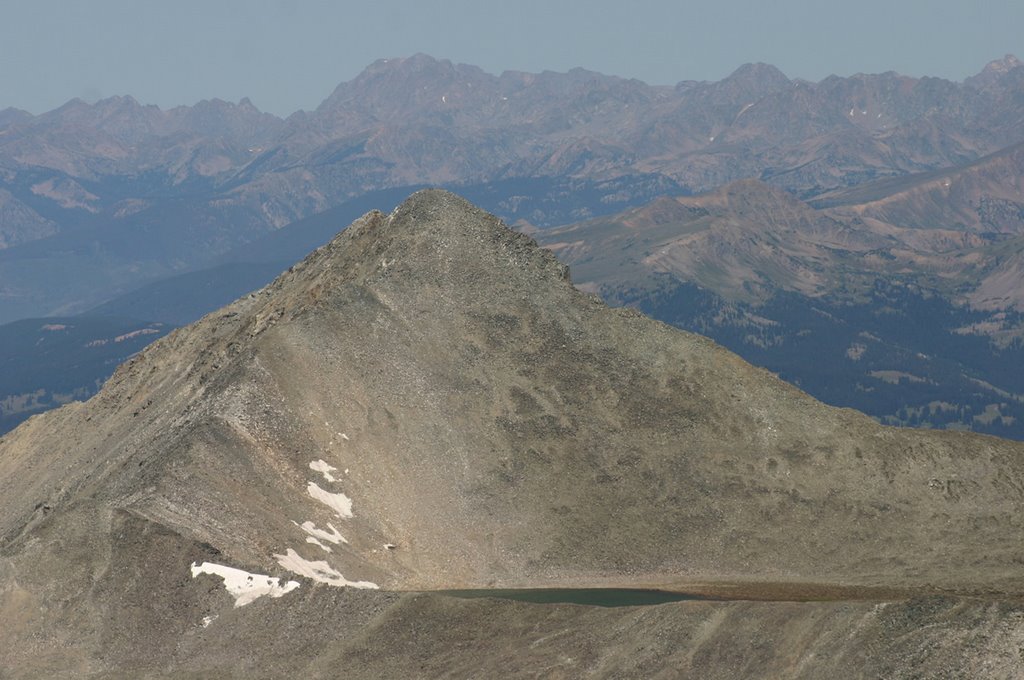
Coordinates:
[427,403]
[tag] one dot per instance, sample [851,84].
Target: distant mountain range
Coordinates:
[883,212]
[902,297]
[98,199]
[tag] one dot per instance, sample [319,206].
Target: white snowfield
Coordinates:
[319,571]
[242,585]
[324,468]
[317,543]
[339,502]
[334,536]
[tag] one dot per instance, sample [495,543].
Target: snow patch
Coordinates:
[339,502]
[334,536]
[316,542]
[319,571]
[323,468]
[242,585]
[207,620]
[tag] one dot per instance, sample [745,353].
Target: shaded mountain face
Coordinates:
[428,403]
[48,362]
[900,298]
[149,193]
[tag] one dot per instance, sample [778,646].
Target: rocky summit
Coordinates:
[427,404]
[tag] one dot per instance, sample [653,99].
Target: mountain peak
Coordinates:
[416,65]
[442,210]
[1004,65]
[11,116]
[398,86]
[421,405]
[434,239]
[456,225]
[763,77]
[994,71]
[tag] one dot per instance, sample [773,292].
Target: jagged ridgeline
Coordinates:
[427,403]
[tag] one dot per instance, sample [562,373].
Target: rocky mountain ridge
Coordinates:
[426,403]
[126,182]
[940,229]
[900,298]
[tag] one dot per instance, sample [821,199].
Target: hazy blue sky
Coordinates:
[290,55]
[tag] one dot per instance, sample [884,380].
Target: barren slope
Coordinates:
[427,403]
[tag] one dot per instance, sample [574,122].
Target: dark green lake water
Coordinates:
[600,597]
